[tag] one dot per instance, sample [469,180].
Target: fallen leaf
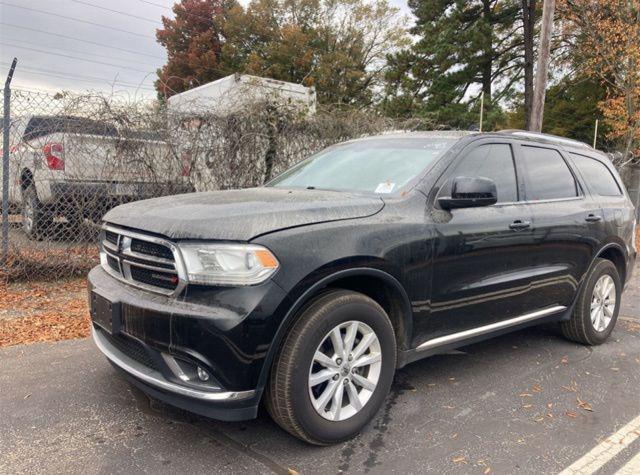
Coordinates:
[527,406]
[461,459]
[453,436]
[584,405]
[293,472]
[536,389]
[571,414]
[448,407]
[564,360]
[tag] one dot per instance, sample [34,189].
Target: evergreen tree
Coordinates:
[463,49]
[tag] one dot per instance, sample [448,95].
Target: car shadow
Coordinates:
[263,441]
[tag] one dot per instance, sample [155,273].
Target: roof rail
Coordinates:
[548,137]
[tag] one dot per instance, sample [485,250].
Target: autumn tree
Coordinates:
[605,36]
[193,40]
[338,46]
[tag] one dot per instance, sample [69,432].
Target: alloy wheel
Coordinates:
[603,303]
[345,370]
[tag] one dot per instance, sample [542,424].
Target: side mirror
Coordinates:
[470,192]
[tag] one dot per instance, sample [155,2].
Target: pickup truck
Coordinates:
[80,168]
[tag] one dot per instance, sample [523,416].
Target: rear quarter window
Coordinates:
[597,175]
[547,175]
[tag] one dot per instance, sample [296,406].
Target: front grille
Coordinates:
[151,248]
[132,348]
[111,237]
[143,261]
[113,263]
[157,279]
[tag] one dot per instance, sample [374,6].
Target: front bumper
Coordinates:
[155,384]
[225,331]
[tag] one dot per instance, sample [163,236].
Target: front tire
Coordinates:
[334,370]
[597,307]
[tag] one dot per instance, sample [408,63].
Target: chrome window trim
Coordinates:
[178,263]
[155,379]
[554,200]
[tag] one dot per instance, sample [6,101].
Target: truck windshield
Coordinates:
[375,165]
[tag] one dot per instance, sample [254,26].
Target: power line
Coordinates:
[36,10]
[99,7]
[51,71]
[86,53]
[48,33]
[195,15]
[76,58]
[75,77]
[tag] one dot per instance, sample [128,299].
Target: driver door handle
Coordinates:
[593,218]
[519,224]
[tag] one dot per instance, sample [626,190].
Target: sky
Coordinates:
[79,45]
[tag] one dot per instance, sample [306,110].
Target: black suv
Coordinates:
[309,292]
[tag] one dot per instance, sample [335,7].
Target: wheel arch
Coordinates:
[26,179]
[613,252]
[377,284]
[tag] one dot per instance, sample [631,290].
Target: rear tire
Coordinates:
[35,219]
[352,388]
[597,307]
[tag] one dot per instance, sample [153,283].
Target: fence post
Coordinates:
[6,127]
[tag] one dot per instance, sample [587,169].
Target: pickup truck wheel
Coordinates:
[35,219]
[334,370]
[597,307]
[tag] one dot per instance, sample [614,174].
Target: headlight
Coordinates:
[227,264]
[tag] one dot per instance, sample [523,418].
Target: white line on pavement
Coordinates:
[632,467]
[605,450]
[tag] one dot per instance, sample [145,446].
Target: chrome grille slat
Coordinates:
[146,266]
[140,269]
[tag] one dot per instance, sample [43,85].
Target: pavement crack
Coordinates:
[224,439]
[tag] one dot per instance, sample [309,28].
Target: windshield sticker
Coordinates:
[385,187]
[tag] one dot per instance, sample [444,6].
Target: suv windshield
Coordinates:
[375,165]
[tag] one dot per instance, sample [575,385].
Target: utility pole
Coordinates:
[542,70]
[481,109]
[529,26]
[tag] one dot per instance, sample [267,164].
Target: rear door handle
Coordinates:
[519,224]
[593,218]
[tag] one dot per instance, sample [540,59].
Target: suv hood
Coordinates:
[241,215]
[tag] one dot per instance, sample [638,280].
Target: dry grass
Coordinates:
[32,312]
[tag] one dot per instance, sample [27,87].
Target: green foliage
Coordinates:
[571,109]
[338,46]
[463,48]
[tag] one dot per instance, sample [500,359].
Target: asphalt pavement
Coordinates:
[528,402]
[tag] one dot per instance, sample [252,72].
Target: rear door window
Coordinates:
[547,175]
[597,175]
[494,161]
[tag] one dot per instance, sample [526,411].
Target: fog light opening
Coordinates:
[202,374]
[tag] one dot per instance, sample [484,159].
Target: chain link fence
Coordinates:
[72,157]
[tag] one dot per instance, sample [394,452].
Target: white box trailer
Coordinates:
[228,94]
